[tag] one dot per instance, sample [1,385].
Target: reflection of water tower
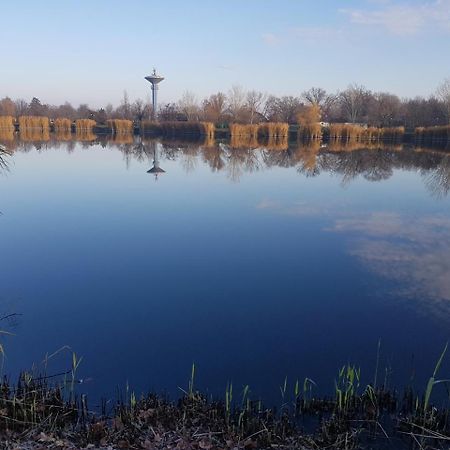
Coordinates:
[155,170]
[155,80]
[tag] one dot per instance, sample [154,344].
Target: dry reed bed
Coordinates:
[6,135]
[62,125]
[273,129]
[7,123]
[36,122]
[309,123]
[85,125]
[120,126]
[238,130]
[438,134]
[193,129]
[350,132]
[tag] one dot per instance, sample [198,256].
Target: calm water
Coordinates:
[255,264]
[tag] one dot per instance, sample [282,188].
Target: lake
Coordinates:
[255,264]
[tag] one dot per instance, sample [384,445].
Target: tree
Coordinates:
[320,97]
[141,110]
[214,107]
[7,107]
[35,107]
[283,109]
[236,102]
[189,106]
[354,101]
[255,104]
[443,93]
[384,110]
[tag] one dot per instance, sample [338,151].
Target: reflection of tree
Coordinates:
[438,179]
[4,154]
[214,157]
[374,163]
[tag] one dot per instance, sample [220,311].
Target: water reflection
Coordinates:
[373,162]
[412,251]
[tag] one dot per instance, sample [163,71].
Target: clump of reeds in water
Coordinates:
[309,123]
[7,129]
[85,125]
[383,134]
[34,128]
[150,128]
[433,135]
[190,129]
[244,131]
[7,123]
[85,130]
[273,129]
[346,132]
[209,129]
[62,125]
[120,126]
[37,122]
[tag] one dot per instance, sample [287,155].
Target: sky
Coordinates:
[91,51]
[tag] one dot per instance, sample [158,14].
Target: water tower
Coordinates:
[155,80]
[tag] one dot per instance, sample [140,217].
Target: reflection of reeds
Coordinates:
[276,143]
[122,138]
[62,125]
[120,126]
[431,135]
[34,134]
[273,129]
[243,141]
[352,145]
[6,134]
[149,127]
[85,135]
[84,125]
[7,123]
[63,134]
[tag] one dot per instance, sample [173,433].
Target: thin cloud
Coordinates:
[404,19]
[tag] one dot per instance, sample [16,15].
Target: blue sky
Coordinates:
[91,51]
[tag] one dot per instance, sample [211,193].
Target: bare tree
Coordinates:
[214,107]
[443,93]
[7,107]
[255,104]
[236,101]
[140,110]
[320,97]
[283,109]
[189,106]
[354,101]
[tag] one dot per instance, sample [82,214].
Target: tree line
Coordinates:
[356,104]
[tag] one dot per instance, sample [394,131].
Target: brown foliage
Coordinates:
[194,129]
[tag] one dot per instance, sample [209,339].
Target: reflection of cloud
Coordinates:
[404,19]
[415,252]
[299,208]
